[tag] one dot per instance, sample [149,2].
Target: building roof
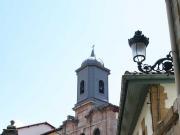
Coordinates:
[134,88]
[37,124]
[92,61]
[73,119]
[52,131]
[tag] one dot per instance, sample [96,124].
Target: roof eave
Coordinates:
[103,68]
[145,80]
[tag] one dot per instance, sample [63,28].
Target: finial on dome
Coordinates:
[92,53]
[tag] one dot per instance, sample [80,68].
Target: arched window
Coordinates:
[101,86]
[96,131]
[82,87]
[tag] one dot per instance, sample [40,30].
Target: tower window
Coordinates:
[97,131]
[82,87]
[101,86]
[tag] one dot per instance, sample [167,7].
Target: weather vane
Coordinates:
[93,47]
[92,53]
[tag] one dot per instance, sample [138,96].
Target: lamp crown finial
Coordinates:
[138,33]
[138,37]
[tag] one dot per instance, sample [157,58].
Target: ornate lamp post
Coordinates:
[138,45]
[11,130]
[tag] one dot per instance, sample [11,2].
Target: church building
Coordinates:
[94,115]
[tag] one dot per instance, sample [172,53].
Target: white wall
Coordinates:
[170,89]
[34,130]
[145,113]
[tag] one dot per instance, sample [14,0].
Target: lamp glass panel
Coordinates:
[139,51]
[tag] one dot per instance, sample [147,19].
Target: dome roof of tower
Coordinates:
[92,61]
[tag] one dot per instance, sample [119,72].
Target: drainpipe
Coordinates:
[174,45]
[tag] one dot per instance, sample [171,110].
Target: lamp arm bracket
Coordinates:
[163,65]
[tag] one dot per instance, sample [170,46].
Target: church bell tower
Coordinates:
[92,82]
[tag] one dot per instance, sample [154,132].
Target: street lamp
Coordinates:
[138,45]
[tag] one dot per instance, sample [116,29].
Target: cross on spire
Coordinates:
[92,53]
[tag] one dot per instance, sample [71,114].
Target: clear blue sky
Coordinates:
[42,43]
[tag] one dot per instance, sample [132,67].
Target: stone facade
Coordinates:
[158,109]
[89,118]
[170,125]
